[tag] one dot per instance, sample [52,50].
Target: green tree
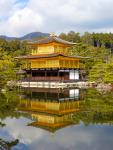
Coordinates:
[63,36]
[73,37]
[7,71]
[86,38]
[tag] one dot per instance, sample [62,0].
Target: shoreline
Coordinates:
[79,84]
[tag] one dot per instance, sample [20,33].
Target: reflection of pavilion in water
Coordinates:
[51,110]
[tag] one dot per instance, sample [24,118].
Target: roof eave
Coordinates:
[49,56]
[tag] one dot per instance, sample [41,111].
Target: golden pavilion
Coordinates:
[50,61]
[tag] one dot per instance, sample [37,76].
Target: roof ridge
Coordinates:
[50,39]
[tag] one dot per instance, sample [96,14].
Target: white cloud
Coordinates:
[24,21]
[18,129]
[6,7]
[55,15]
[72,137]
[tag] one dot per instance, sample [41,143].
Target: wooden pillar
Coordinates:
[58,75]
[29,77]
[49,79]
[45,73]
[31,74]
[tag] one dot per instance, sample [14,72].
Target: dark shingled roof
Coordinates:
[48,56]
[51,39]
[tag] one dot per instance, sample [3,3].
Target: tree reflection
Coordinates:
[8,104]
[97,108]
[6,145]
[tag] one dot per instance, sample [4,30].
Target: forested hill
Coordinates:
[29,36]
[92,39]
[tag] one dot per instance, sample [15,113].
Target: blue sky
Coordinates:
[23,3]
[19,17]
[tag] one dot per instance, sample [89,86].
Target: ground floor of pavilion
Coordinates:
[61,75]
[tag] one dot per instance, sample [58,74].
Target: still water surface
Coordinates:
[70,119]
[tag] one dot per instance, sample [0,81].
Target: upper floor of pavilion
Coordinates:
[49,45]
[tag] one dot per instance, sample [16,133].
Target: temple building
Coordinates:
[50,61]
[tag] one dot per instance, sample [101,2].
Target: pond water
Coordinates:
[56,119]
